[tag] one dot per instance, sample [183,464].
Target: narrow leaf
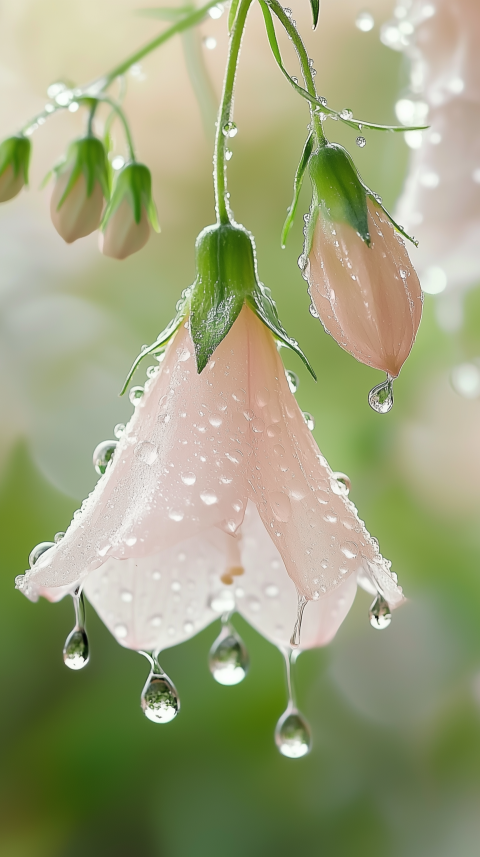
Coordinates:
[232,14]
[315,6]
[297,186]
[272,37]
[264,307]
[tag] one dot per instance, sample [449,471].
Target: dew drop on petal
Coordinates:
[309,420]
[292,380]
[176,515]
[37,552]
[119,430]
[135,394]
[208,497]
[188,478]
[146,452]
[103,454]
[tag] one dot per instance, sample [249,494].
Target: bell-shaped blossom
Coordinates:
[441,198]
[130,214]
[216,495]
[14,162]
[361,281]
[81,188]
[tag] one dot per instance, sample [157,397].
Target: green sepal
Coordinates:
[338,192]
[315,7]
[85,156]
[226,280]
[297,186]
[164,337]
[225,276]
[15,151]
[134,184]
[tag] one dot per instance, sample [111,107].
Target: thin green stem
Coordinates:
[121,115]
[302,54]
[91,116]
[225,114]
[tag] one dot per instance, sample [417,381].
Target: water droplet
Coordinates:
[343,479]
[288,12]
[364,21]
[103,454]
[313,311]
[295,638]
[271,590]
[216,11]
[295,79]
[380,398]
[230,129]
[152,371]
[380,614]
[292,380]
[58,537]
[119,430]
[281,506]
[135,394]
[309,420]
[228,660]
[210,43]
[228,154]
[76,649]
[120,631]
[208,497]
[346,113]
[223,601]
[349,550]
[146,452]
[126,596]
[292,734]
[37,552]
[176,515]
[188,478]
[361,141]
[159,700]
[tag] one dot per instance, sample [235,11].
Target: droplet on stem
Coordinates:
[380,398]
[159,700]
[228,659]
[380,614]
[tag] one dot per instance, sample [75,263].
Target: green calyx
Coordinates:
[133,184]
[226,280]
[85,157]
[15,151]
[339,194]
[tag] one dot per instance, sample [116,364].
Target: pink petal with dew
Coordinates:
[196,449]
[368,298]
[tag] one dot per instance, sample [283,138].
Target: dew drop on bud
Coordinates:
[380,398]
[292,380]
[292,734]
[37,552]
[135,394]
[310,421]
[119,430]
[159,700]
[103,455]
[230,129]
[228,660]
[344,480]
[380,614]
[361,141]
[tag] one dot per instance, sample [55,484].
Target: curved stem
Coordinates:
[292,31]
[225,114]
[121,115]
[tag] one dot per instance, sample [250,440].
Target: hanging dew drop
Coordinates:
[380,398]
[380,614]
[135,394]
[361,141]
[292,734]
[230,129]
[292,380]
[103,455]
[76,649]
[159,700]
[228,660]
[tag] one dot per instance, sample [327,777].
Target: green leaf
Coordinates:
[263,305]
[315,6]
[272,38]
[164,337]
[297,186]
[232,14]
[85,156]
[225,275]
[16,151]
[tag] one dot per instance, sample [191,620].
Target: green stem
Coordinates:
[191,20]
[121,115]
[302,54]
[225,114]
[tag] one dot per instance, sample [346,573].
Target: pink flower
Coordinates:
[216,494]
[367,297]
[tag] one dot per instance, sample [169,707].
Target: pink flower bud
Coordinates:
[367,297]
[79,214]
[14,161]
[10,184]
[123,235]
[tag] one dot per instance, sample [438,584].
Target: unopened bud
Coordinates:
[130,213]
[14,160]
[81,189]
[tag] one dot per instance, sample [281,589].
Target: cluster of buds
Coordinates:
[83,199]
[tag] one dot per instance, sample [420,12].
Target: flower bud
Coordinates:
[14,160]
[130,213]
[80,190]
[362,284]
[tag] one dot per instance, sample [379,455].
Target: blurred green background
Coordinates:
[395,766]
